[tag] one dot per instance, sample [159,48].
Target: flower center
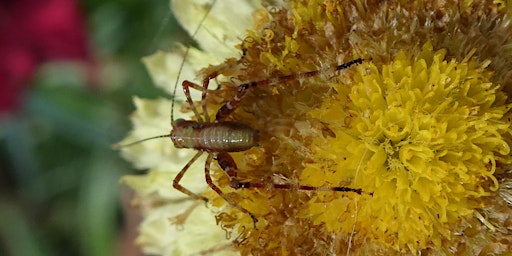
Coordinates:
[423,136]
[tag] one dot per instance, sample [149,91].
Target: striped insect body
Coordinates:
[213,137]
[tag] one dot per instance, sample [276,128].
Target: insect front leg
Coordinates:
[204,89]
[178,177]
[206,83]
[186,84]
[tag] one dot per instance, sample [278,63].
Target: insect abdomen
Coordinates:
[221,136]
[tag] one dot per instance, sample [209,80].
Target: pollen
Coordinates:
[414,140]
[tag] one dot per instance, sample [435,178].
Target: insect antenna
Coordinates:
[193,36]
[119,146]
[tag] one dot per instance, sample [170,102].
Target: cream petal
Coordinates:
[200,232]
[164,68]
[223,27]
[217,37]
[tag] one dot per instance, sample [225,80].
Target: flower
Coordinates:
[422,126]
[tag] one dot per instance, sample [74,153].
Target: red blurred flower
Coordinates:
[32,32]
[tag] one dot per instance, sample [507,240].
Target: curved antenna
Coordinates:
[119,146]
[193,36]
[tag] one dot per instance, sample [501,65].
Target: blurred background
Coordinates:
[68,71]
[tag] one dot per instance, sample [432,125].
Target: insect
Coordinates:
[219,137]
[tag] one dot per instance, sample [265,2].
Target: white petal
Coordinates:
[223,27]
[164,68]
[199,232]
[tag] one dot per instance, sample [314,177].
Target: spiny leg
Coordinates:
[231,105]
[209,181]
[186,84]
[177,186]
[206,83]
[195,86]
[237,185]
[204,89]
[228,165]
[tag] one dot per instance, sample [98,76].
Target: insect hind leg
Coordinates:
[237,184]
[223,156]
[228,165]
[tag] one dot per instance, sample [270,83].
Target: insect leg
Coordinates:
[204,89]
[217,189]
[231,105]
[228,165]
[186,84]
[236,184]
[206,83]
[177,186]
[194,85]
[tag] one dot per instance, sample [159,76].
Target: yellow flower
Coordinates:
[424,136]
[422,126]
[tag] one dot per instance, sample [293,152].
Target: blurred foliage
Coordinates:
[59,185]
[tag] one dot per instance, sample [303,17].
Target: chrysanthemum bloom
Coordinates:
[422,126]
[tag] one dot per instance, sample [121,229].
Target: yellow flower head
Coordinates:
[423,135]
[422,126]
